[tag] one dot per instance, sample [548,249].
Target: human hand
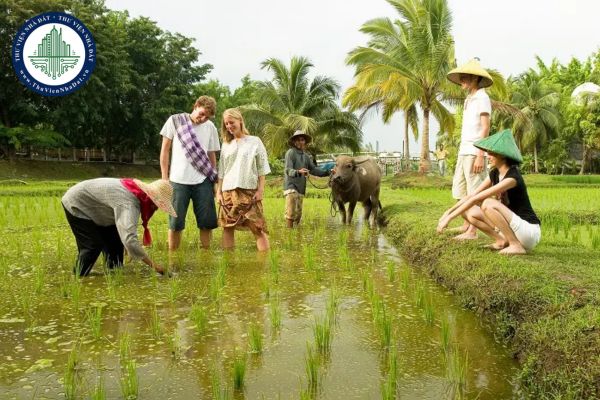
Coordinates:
[303,171]
[443,224]
[444,215]
[219,196]
[477,165]
[258,196]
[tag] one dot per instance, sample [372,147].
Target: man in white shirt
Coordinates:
[471,169]
[188,182]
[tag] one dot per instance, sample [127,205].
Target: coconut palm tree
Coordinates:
[538,103]
[292,102]
[411,57]
[379,98]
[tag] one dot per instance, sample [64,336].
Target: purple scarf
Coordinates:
[193,149]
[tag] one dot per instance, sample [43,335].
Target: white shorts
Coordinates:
[528,234]
[465,182]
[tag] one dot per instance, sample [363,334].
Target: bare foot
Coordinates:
[513,249]
[498,245]
[466,236]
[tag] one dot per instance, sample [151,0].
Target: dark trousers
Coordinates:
[92,240]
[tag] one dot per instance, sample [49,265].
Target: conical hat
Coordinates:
[472,68]
[299,134]
[502,143]
[161,193]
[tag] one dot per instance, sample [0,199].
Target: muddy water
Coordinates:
[34,346]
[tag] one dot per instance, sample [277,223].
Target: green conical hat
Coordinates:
[502,143]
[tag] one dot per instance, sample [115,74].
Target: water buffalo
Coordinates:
[353,180]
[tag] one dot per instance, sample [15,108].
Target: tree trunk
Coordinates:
[74,154]
[406,146]
[535,160]
[59,154]
[584,158]
[5,118]
[425,164]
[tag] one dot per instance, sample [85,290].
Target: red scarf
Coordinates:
[147,206]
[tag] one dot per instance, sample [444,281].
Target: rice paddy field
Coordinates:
[330,312]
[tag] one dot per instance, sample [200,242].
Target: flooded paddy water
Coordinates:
[330,313]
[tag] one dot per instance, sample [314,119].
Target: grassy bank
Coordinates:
[546,304]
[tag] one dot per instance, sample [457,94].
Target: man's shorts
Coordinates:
[293,205]
[203,202]
[528,234]
[466,182]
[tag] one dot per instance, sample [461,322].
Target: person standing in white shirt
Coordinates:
[186,139]
[243,165]
[471,169]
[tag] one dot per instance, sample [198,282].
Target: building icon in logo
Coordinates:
[54,55]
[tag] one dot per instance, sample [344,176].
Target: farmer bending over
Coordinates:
[500,206]
[298,164]
[103,214]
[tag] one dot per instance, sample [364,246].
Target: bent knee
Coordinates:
[489,204]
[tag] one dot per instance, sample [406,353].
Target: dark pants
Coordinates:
[93,239]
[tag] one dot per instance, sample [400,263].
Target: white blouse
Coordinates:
[242,162]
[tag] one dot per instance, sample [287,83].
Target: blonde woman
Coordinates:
[242,168]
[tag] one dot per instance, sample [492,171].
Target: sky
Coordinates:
[235,36]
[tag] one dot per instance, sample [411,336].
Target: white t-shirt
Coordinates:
[475,105]
[242,162]
[182,170]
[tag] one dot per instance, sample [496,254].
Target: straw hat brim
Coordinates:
[307,137]
[471,68]
[162,202]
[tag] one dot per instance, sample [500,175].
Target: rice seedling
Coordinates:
[332,305]
[199,316]
[391,271]
[419,293]
[175,345]
[456,373]
[71,378]
[405,279]
[174,289]
[390,383]
[367,280]
[218,389]
[217,282]
[265,285]
[238,371]
[255,339]
[154,323]
[94,320]
[125,346]
[445,337]
[39,279]
[275,312]
[428,311]
[274,265]
[323,335]
[385,328]
[129,379]
[99,392]
[309,258]
[312,365]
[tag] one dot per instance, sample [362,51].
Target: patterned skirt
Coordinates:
[241,212]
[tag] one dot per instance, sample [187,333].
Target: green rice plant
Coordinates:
[154,323]
[368,287]
[265,285]
[343,239]
[94,319]
[174,289]
[39,279]
[405,279]
[217,282]
[71,378]
[445,337]
[312,365]
[3,266]
[199,316]
[125,346]
[309,258]
[129,379]
[419,293]
[344,257]
[323,334]
[332,305]
[111,286]
[255,339]
[456,373]
[385,328]
[390,383]
[175,345]
[274,265]
[25,299]
[391,271]
[275,312]
[238,371]
[218,389]
[99,392]
[428,311]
